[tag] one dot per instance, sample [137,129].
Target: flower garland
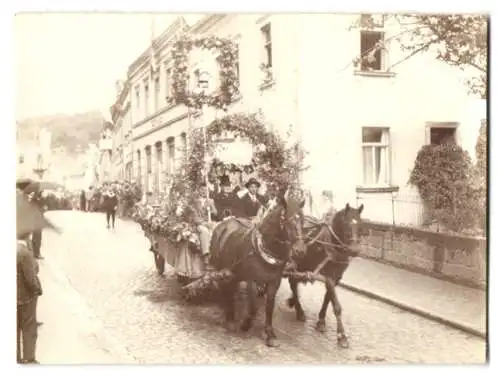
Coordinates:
[227,71]
[167,220]
[274,163]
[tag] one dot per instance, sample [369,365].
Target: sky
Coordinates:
[69,63]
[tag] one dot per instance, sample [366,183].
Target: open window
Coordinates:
[373,55]
[440,133]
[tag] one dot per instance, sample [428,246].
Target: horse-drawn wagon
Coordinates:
[283,243]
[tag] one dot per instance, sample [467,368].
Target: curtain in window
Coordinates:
[374,165]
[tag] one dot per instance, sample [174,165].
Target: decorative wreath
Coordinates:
[274,163]
[180,73]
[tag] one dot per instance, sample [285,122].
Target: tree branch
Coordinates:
[415,52]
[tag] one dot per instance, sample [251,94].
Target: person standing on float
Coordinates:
[227,201]
[251,202]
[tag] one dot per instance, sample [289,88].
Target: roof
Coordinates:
[178,24]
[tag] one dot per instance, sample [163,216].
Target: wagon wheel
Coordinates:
[160,263]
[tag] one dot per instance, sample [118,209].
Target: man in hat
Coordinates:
[226,201]
[251,202]
[36,198]
[110,205]
[29,289]
[83,201]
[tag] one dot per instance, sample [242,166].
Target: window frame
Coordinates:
[170,163]
[441,125]
[149,160]
[168,83]
[138,96]
[377,27]
[157,91]
[386,134]
[267,44]
[147,93]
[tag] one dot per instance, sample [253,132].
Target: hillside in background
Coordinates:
[74,132]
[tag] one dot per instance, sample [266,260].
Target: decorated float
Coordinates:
[240,145]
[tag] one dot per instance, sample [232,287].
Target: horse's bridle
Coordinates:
[284,222]
[341,244]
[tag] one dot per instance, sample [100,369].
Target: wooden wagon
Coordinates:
[186,260]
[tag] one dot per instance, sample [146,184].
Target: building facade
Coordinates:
[121,154]
[362,122]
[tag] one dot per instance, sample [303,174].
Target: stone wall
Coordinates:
[460,259]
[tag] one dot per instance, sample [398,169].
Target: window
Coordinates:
[139,166]
[442,133]
[159,166]
[168,83]
[137,97]
[267,43]
[184,144]
[128,172]
[376,153]
[21,159]
[171,155]
[372,37]
[157,93]
[148,159]
[146,99]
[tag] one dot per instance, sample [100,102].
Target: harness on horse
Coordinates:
[341,245]
[263,252]
[259,246]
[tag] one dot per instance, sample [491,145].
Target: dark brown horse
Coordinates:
[257,254]
[333,240]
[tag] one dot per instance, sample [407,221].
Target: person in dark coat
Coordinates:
[110,205]
[226,201]
[36,198]
[83,201]
[251,202]
[29,289]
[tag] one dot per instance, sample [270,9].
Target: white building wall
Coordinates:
[317,91]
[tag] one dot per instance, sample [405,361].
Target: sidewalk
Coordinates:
[70,334]
[451,304]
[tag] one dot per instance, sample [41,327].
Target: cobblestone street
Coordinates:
[143,315]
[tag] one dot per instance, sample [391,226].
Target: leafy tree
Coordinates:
[459,40]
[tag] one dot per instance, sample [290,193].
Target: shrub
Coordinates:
[444,176]
[481,183]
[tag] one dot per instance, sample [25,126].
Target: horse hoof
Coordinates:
[246,326]
[343,342]
[320,327]
[272,343]
[231,326]
[301,317]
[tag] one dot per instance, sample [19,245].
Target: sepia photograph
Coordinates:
[251,188]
